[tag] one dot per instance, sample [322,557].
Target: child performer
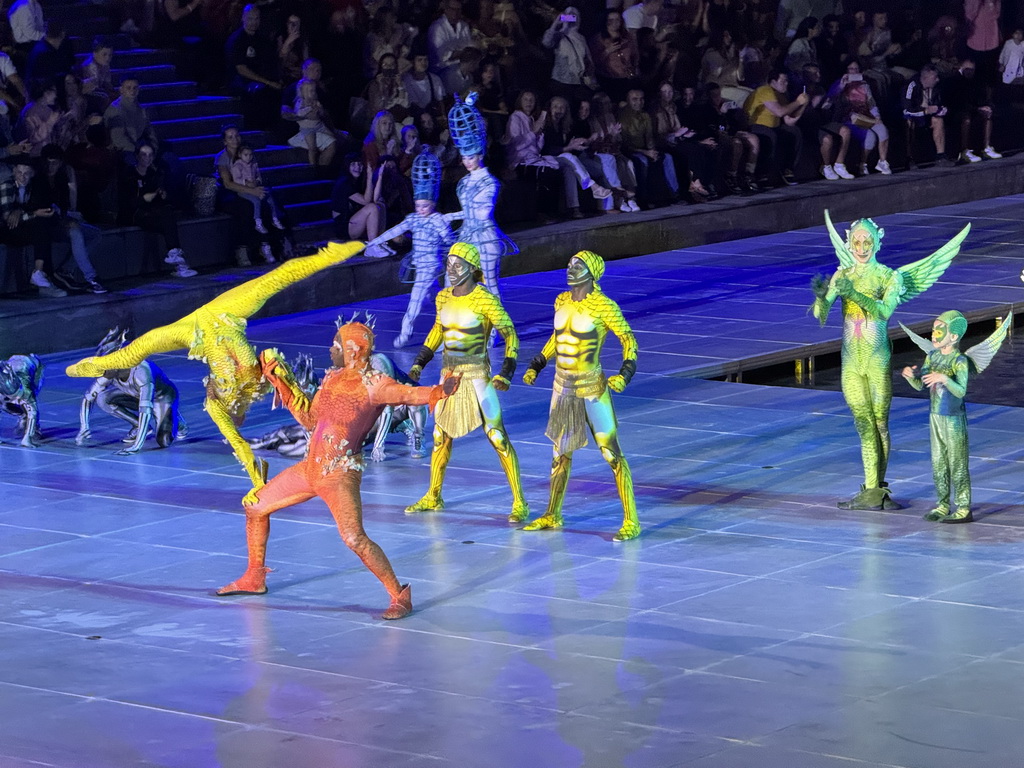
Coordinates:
[945,373]
[431,237]
[245,171]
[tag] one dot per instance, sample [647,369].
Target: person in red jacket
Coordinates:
[352,396]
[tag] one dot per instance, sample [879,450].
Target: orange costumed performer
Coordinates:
[344,409]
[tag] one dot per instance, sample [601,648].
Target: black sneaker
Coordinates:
[67,282]
[789,178]
[93,287]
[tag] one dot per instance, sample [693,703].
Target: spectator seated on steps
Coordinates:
[97,80]
[127,121]
[52,57]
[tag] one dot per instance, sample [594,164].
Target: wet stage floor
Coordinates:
[752,623]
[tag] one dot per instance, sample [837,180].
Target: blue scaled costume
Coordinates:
[477,192]
[431,238]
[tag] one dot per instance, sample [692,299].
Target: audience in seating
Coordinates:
[655,102]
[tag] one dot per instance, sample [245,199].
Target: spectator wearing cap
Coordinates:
[27,216]
[127,121]
[52,57]
[61,186]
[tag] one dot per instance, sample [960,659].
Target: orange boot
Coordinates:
[401,605]
[254,580]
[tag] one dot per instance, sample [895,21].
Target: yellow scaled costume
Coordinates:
[215,334]
[583,317]
[466,313]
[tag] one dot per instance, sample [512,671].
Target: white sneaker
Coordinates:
[40,280]
[242,256]
[260,227]
[633,206]
[182,270]
[864,169]
[267,253]
[624,207]
[829,173]
[841,171]
[883,168]
[991,154]
[277,223]
[174,256]
[600,192]
[969,156]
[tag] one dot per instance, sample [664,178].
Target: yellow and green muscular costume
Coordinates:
[870,292]
[581,397]
[466,313]
[215,334]
[945,372]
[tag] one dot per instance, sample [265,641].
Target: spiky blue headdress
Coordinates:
[467,126]
[426,176]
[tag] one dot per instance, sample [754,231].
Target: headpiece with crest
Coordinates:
[467,126]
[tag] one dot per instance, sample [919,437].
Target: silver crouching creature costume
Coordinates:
[143,396]
[21,377]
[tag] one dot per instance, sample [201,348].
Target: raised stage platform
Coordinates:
[751,625]
[26,322]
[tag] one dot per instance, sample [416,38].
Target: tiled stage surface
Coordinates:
[752,624]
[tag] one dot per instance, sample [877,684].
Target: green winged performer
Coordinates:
[945,372]
[870,292]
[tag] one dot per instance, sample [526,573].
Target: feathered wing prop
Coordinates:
[925,345]
[981,354]
[842,251]
[922,274]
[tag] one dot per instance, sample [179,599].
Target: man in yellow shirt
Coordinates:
[773,117]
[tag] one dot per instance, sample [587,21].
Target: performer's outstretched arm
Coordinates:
[387,391]
[280,376]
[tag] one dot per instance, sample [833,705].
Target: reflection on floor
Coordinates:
[752,624]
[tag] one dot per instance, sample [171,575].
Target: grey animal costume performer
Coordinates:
[143,396]
[21,377]
[945,373]
[431,237]
[477,192]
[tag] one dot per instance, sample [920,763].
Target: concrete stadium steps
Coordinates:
[210,144]
[172,91]
[82,43]
[270,157]
[309,212]
[303,193]
[138,57]
[201,107]
[146,75]
[188,127]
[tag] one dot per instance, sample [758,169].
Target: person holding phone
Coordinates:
[572,76]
